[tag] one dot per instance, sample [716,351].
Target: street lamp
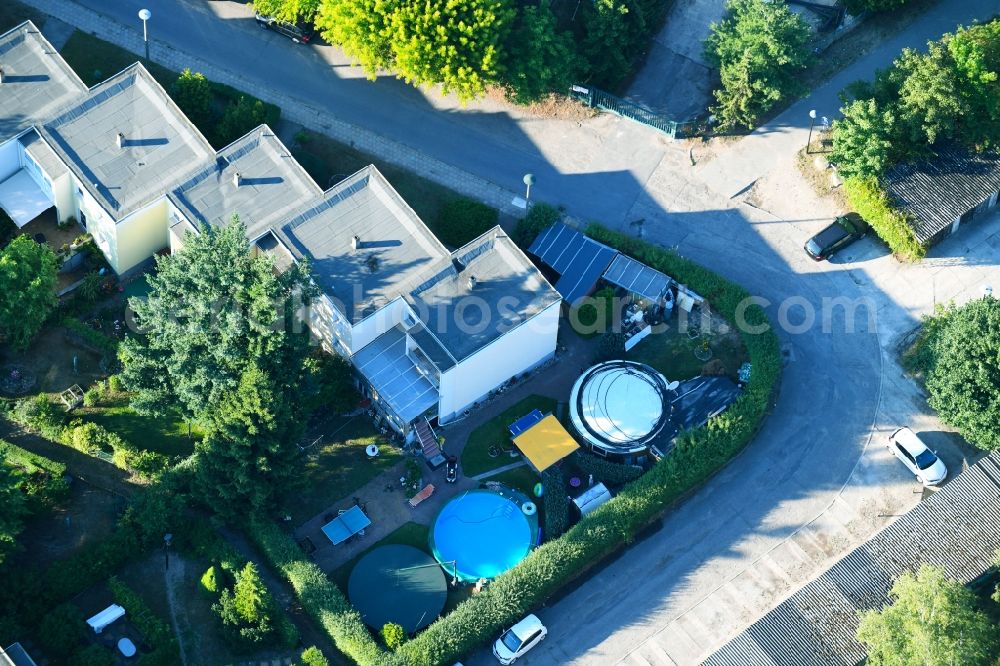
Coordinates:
[166,552]
[529,180]
[145,15]
[812,121]
[987,291]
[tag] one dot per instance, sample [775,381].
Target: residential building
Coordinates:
[430,331]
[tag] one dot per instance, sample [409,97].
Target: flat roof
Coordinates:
[579,260]
[37,82]
[272,184]
[43,154]
[508,291]
[160,144]
[392,373]
[396,251]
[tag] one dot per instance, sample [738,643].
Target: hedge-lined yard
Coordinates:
[698,454]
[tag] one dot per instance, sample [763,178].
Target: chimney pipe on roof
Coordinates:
[472,282]
[1,75]
[356,242]
[237,179]
[120,139]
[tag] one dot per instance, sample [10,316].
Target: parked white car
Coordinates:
[920,460]
[520,638]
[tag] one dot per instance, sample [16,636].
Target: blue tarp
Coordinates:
[579,261]
[525,422]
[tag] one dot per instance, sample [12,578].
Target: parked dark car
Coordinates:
[845,230]
[296,33]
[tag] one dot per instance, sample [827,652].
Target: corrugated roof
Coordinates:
[937,190]
[579,260]
[37,81]
[637,277]
[957,528]
[390,371]
[160,144]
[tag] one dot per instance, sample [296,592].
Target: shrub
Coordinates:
[539,218]
[611,473]
[103,343]
[872,203]
[462,220]
[612,346]
[154,630]
[193,94]
[42,480]
[38,415]
[114,385]
[61,632]
[94,655]
[240,116]
[393,635]
[555,502]
[210,581]
[330,384]
[313,656]
[248,611]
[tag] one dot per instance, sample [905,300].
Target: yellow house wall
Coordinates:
[141,235]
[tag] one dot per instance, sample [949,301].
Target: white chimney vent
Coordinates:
[237,179]
[356,242]
[120,139]
[472,282]
[1,75]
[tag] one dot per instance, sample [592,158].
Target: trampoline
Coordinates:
[397,584]
[480,534]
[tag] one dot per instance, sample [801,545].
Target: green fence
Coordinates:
[600,99]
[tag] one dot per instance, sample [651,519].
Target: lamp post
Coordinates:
[166,549]
[145,15]
[987,291]
[529,180]
[812,121]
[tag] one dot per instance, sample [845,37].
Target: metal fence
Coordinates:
[600,99]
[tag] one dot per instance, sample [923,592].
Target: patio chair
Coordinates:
[422,495]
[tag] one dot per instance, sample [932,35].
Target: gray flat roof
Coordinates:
[272,185]
[160,145]
[42,153]
[395,253]
[36,80]
[508,291]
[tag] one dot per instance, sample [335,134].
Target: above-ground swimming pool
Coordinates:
[480,534]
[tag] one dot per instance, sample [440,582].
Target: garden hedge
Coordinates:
[698,454]
[872,203]
[606,471]
[555,503]
[44,481]
[155,631]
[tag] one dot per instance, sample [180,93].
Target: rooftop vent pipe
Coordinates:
[120,140]
[237,179]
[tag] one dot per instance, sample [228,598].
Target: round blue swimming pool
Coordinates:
[480,534]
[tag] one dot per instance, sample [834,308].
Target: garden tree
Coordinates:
[855,7]
[293,11]
[239,118]
[607,41]
[313,656]
[13,508]
[214,312]
[27,289]
[393,635]
[249,449]
[863,140]
[454,43]
[193,95]
[544,59]
[61,632]
[247,611]
[975,53]
[964,376]
[929,101]
[933,621]
[539,218]
[761,49]
[361,28]
[329,384]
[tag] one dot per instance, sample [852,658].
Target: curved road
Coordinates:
[735,547]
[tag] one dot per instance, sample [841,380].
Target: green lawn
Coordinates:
[14,13]
[94,60]
[520,478]
[165,435]
[476,458]
[337,466]
[672,353]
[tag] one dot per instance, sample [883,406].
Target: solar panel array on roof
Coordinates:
[957,528]
[579,260]
[637,277]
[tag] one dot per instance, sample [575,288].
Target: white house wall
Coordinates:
[10,161]
[376,324]
[514,353]
[142,234]
[62,191]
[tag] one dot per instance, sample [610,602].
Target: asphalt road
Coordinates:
[629,177]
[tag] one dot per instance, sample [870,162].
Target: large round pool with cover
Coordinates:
[398,584]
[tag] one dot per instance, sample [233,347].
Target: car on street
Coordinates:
[917,457]
[298,34]
[845,230]
[520,638]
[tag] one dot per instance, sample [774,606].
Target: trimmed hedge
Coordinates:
[611,473]
[698,454]
[105,343]
[463,220]
[555,503]
[539,218]
[44,481]
[155,631]
[872,203]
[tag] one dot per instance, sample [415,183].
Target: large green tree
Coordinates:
[13,508]
[214,312]
[27,289]
[929,99]
[964,376]
[293,11]
[608,40]
[933,621]
[247,611]
[361,28]
[193,94]
[863,139]
[761,49]
[544,59]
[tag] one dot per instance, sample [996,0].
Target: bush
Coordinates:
[193,94]
[37,414]
[612,346]
[313,656]
[539,218]
[210,581]
[94,655]
[103,343]
[249,614]
[393,635]
[61,632]
[555,503]
[330,384]
[463,220]
[154,630]
[241,116]
[610,473]
[872,203]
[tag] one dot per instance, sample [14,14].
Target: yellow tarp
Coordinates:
[545,443]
